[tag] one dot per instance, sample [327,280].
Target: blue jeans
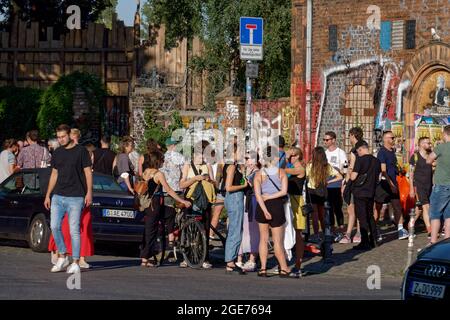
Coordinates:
[234,203]
[440,203]
[73,206]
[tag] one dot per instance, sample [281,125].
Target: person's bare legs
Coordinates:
[215,216]
[278,247]
[315,219]
[263,242]
[447,228]
[351,219]
[321,212]
[435,227]
[398,215]
[378,212]
[426,216]
[299,248]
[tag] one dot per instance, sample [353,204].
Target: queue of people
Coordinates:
[254,193]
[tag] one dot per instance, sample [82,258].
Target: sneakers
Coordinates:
[296,273]
[183,264]
[240,264]
[345,239]
[61,264]
[206,265]
[54,258]
[357,238]
[403,234]
[338,237]
[74,268]
[249,266]
[84,265]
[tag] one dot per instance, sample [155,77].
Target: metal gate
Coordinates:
[359,112]
[116,116]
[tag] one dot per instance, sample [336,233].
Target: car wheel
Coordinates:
[38,234]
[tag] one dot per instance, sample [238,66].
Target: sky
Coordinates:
[126,10]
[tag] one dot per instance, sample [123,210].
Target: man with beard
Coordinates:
[421,179]
[70,186]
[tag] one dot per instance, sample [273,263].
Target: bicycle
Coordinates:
[190,238]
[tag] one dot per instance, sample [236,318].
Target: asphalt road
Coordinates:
[116,274]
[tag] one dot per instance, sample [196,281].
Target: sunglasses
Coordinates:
[326,140]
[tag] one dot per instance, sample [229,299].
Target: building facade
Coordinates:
[379,65]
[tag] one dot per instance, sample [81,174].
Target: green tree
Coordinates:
[107,14]
[18,111]
[155,130]
[51,13]
[216,22]
[57,102]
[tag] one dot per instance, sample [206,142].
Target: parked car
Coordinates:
[429,276]
[23,216]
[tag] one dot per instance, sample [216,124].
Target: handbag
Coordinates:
[307,208]
[140,187]
[284,198]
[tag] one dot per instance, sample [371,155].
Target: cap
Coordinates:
[170,141]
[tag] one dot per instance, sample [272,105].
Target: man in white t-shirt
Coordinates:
[8,160]
[338,159]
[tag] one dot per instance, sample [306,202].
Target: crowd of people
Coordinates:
[264,195]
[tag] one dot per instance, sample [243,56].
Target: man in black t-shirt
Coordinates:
[364,178]
[421,179]
[388,190]
[71,186]
[104,157]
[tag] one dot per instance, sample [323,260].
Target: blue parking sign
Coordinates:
[251,31]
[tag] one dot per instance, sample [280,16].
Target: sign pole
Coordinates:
[248,111]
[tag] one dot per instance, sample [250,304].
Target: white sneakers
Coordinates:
[60,265]
[84,265]
[74,268]
[63,263]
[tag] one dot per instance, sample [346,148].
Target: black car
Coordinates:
[429,276]
[23,216]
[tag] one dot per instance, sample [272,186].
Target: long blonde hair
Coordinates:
[319,167]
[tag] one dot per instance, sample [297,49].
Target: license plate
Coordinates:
[427,290]
[126,214]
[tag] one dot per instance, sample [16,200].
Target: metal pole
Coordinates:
[248,111]
[327,248]
[412,217]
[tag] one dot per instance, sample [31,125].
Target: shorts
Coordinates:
[315,199]
[299,219]
[276,209]
[384,194]
[423,194]
[440,202]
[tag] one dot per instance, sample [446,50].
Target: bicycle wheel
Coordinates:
[193,243]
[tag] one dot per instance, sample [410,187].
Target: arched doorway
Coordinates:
[428,95]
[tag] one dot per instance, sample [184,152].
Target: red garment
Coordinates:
[86,235]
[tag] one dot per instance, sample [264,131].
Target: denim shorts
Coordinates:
[440,202]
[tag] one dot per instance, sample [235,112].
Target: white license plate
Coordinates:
[427,290]
[110,213]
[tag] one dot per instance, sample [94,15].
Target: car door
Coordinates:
[21,191]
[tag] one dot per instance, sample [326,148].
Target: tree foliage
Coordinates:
[107,14]
[52,13]
[18,111]
[57,102]
[216,22]
[156,130]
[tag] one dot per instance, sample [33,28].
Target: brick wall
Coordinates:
[354,41]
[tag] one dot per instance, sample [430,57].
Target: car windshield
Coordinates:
[105,183]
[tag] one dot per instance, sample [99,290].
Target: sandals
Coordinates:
[149,264]
[287,274]
[235,269]
[262,273]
